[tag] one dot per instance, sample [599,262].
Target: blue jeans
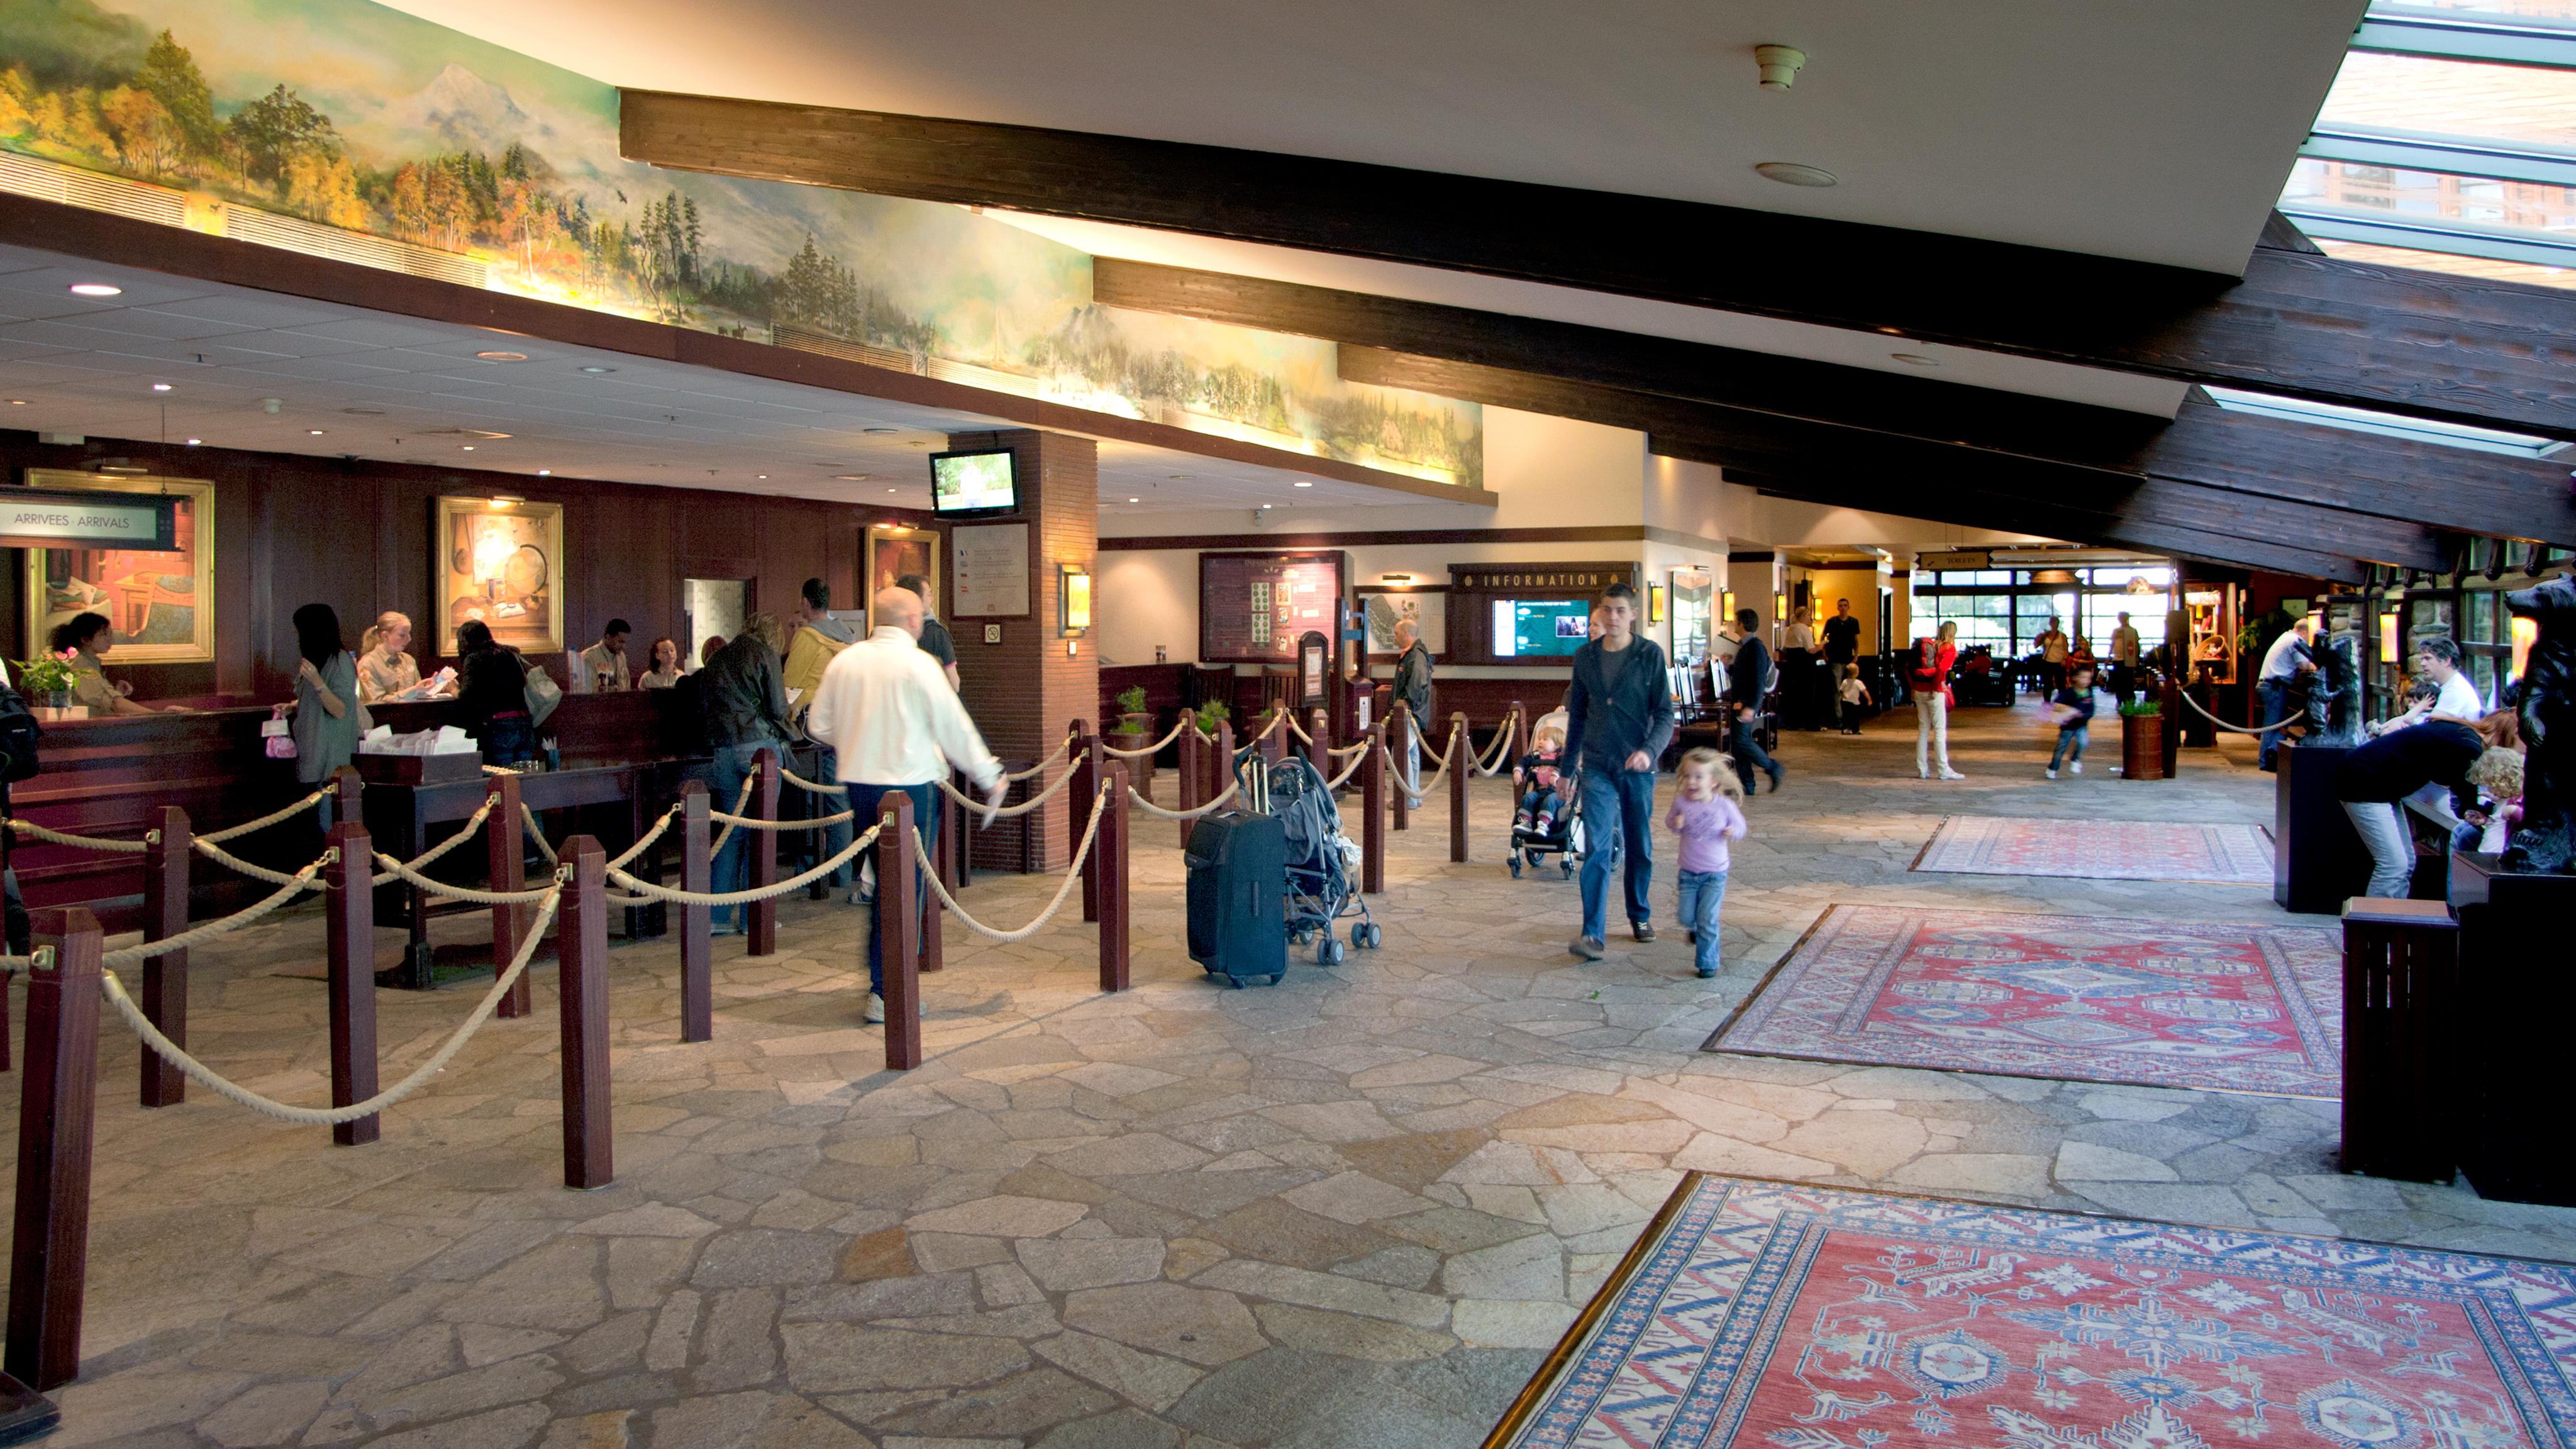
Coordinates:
[836,838]
[2069,735]
[1617,805]
[731,870]
[868,801]
[1749,755]
[2391,843]
[1703,891]
[2276,707]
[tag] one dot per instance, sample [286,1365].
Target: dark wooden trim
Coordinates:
[2282,234]
[100,237]
[1397,537]
[2427,344]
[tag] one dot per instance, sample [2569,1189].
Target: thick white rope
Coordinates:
[1023,808]
[32,830]
[1151,808]
[1413,798]
[649,891]
[1344,778]
[440,890]
[1276,716]
[296,885]
[2308,713]
[1072,873]
[1063,747]
[754,822]
[1185,722]
[272,818]
[1301,735]
[645,842]
[536,832]
[212,1081]
[1492,765]
[236,864]
[470,829]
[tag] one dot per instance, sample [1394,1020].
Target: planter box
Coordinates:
[2142,746]
[51,714]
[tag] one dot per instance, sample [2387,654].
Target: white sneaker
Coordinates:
[1949,774]
[1923,774]
[876,1009]
[2077,767]
[2052,774]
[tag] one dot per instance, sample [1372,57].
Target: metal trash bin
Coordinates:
[2401,981]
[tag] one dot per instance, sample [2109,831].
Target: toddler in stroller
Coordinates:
[1544,821]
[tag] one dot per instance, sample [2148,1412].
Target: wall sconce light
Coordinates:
[1779,610]
[1726,605]
[1395,578]
[2388,638]
[1073,601]
[2526,632]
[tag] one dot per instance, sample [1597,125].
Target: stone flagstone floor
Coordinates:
[1353,1210]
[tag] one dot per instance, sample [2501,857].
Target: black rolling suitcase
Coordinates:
[1238,872]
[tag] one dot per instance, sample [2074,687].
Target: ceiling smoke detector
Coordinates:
[1794,173]
[1779,65]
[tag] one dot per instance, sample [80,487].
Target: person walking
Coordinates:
[2051,644]
[819,638]
[1413,690]
[886,709]
[1618,718]
[1706,814]
[744,692]
[936,641]
[2283,664]
[2125,658]
[1855,698]
[2073,707]
[1748,678]
[1934,659]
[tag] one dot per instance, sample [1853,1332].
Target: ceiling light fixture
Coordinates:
[17,402]
[890,490]
[469,447]
[1302,483]
[1915,359]
[160,387]
[96,289]
[595,371]
[192,442]
[313,432]
[1265,505]
[879,432]
[850,477]
[1135,500]
[763,477]
[1779,65]
[545,472]
[1794,173]
[1183,477]
[502,356]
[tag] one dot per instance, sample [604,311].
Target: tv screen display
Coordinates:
[1540,628]
[979,482]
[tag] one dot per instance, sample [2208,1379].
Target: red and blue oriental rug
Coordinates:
[2100,849]
[2231,1008]
[1758,1315]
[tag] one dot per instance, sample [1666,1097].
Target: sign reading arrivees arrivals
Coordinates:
[44,518]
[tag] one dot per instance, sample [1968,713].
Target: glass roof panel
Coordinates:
[2460,266]
[2453,97]
[2514,9]
[2449,435]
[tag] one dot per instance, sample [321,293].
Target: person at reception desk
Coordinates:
[665,673]
[492,696]
[329,718]
[386,670]
[745,694]
[86,640]
[603,664]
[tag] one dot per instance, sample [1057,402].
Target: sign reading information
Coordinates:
[44,518]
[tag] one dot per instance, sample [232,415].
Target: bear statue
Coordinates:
[2546,843]
[2333,693]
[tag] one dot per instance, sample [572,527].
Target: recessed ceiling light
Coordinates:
[880,432]
[597,370]
[890,490]
[1183,477]
[545,472]
[1915,359]
[192,442]
[470,448]
[313,432]
[502,356]
[1302,483]
[1893,331]
[1265,505]
[1794,173]
[762,476]
[1135,500]
[160,387]
[96,289]
[17,402]
[850,477]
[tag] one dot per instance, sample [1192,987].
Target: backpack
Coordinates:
[19,734]
[1927,662]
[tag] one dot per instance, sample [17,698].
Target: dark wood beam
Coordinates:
[2427,344]
[2474,492]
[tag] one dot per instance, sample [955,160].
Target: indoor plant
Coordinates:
[1212,714]
[46,681]
[1129,732]
[1131,709]
[2142,739]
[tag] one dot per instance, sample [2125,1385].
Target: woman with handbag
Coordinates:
[328,720]
[492,696]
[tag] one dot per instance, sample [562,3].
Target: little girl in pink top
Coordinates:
[1706,817]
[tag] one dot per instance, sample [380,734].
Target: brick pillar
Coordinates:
[1023,689]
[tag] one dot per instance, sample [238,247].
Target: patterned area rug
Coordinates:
[1769,1316]
[2100,849]
[2231,1008]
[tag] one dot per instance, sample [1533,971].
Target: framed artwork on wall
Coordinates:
[500,561]
[887,555]
[1254,605]
[1384,607]
[161,604]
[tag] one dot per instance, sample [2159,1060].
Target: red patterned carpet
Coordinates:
[2100,849]
[2236,1008]
[1759,1315]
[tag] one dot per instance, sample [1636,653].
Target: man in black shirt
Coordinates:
[935,641]
[1618,718]
[1748,679]
[1842,637]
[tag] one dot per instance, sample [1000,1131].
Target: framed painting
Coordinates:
[888,554]
[1382,608]
[161,604]
[500,561]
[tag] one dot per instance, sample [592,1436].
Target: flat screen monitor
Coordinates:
[1540,628]
[983,481]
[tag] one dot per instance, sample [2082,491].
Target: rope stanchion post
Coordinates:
[1188,777]
[581,991]
[1274,734]
[764,853]
[697,922]
[349,928]
[1087,759]
[57,1117]
[165,977]
[509,863]
[896,918]
[1461,754]
[1399,734]
[1373,812]
[1517,726]
[1109,859]
[348,794]
[1220,761]
[1319,742]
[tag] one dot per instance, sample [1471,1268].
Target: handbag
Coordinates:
[279,735]
[542,693]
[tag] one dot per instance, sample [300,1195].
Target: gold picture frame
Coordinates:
[890,553]
[500,561]
[162,605]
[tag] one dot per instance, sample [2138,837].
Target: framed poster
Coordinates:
[500,562]
[887,555]
[160,602]
[1384,607]
[1252,606]
[992,570]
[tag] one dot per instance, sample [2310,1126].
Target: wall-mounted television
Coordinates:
[1540,628]
[974,483]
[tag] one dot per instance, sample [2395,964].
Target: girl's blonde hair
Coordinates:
[2499,773]
[375,634]
[1719,767]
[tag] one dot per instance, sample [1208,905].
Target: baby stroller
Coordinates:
[1563,836]
[1323,863]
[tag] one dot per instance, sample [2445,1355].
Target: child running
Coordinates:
[1855,697]
[1706,816]
[2073,710]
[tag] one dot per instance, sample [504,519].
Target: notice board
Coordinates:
[989,570]
[1252,606]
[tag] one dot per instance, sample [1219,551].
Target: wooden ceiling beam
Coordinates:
[2430,345]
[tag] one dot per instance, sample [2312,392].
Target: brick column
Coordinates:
[1023,689]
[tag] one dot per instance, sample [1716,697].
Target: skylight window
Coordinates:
[2391,425]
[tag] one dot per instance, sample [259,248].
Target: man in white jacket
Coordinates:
[893,723]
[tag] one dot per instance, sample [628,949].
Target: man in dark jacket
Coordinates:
[1618,718]
[1413,687]
[744,692]
[1748,679]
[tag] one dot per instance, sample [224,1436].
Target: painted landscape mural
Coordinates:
[342,116]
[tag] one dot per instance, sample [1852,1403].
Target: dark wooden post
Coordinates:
[581,991]
[165,977]
[1319,743]
[1399,733]
[1084,761]
[895,932]
[952,838]
[57,1113]
[1110,851]
[1462,763]
[1221,760]
[1519,727]
[349,927]
[1373,811]
[348,794]
[509,863]
[1188,775]
[697,923]
[763,845]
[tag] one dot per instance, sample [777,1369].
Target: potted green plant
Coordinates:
[2142,739]
[46,681]
[1212,714]
[1131,709]
[1130,731]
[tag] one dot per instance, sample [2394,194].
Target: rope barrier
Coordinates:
[1186,721]
[645,842]
[1488,769]
[1276,716]
[239,866]
[1345,750]
[1448,756]
[1072,873]
[296,885]
[1063,748]
[741,803]
[1344,778]
[1302,736]
[1023,808]
[216,1083]
[2309,714]
[1152,808]
[84,842]
[801,783]
[649,891]
[537,833]
[272,818]
[40,956]
[442,890]
[754,822]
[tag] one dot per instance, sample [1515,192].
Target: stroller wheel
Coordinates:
[1366,935]
[1515,863]
[1565,868]
[1328,952]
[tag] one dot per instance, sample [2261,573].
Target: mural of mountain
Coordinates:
[466,113]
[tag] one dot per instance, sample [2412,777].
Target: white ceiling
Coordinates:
[2158,131]
[385,387]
